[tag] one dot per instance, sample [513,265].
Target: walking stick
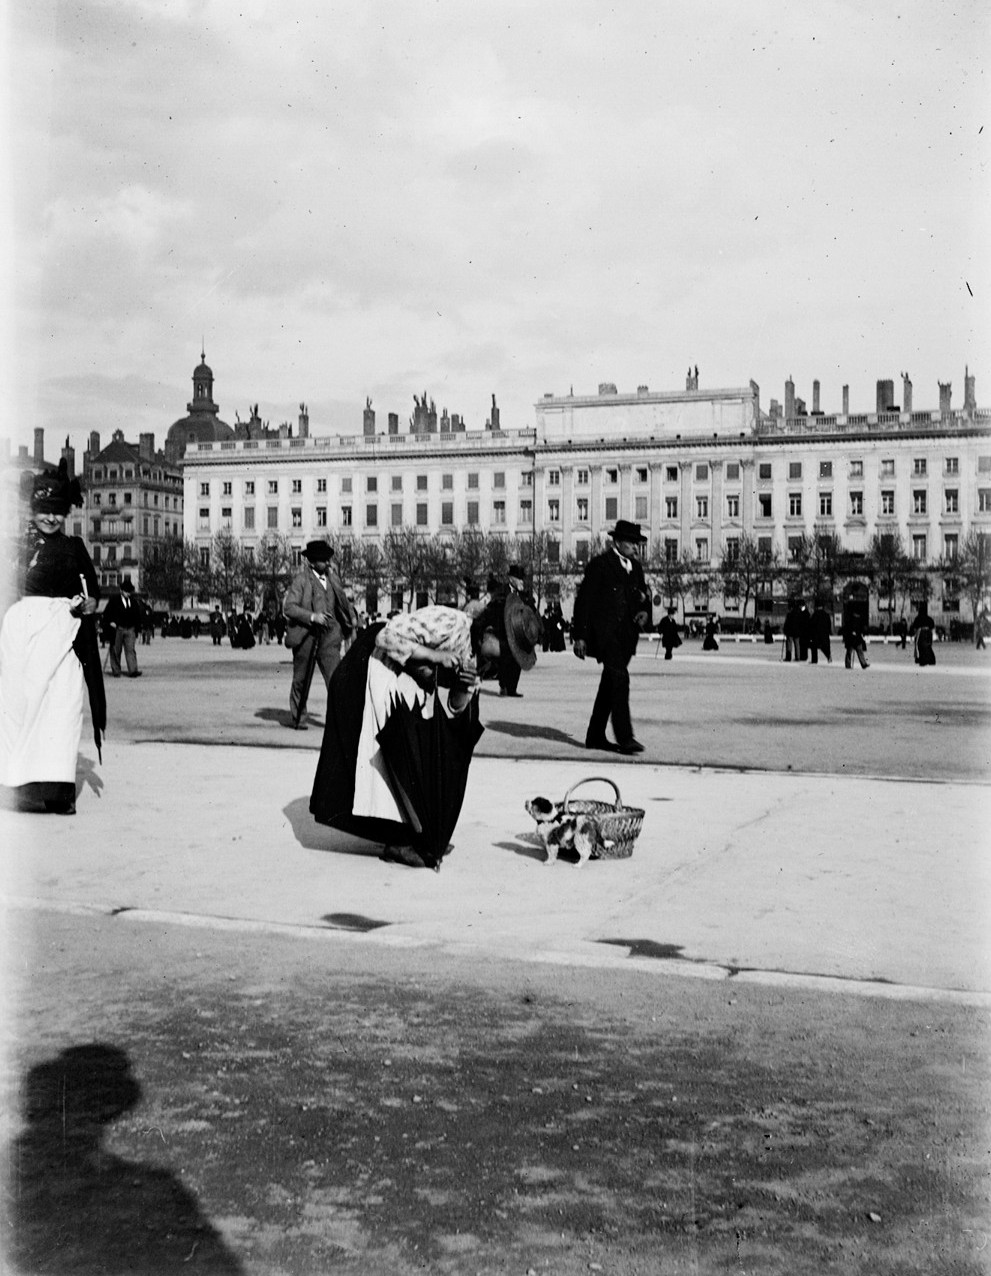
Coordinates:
[304,694]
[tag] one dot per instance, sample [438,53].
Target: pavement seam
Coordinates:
[682,969]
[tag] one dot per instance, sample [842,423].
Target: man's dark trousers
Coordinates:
[612,700]
[328,658]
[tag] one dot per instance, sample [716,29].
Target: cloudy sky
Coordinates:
[505,197]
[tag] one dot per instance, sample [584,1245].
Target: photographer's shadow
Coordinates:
[79,1208]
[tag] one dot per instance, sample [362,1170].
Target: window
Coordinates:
[795,504]
[952,465]
[473,481]
[825,505]
[112,498]
[346,516]
[499,479]
[554,511]
[127,498]
[733,506]
[204,555]
[371,516]
[447,482]
[825,469]
[919,501]
[273,487]
[764,504]
[225,514]
[421,482]
[612,509]
[554,552]
[919,467]
[96,526]
[888,468]
[346,486]
[553,478]
[372,483]
[671,473]
[794,469]
[641,474]
[421,514]
[919,548]
[204,517]
[273,518]
[581,477]
[670,550]
[249,489]
[671,507]
[764,471]
[473,513]
[732,554]
[701,507]
[297,517]
[526,478]
[732,470]
[499,513]
[582,509]
[526,510]
[612,475]
[984,500]
[794,547]
[701,473]
[397,516]
[447,513]
[702,549]
[952,498]
[204,489]
[765,546]
[321,485]
[887,501]
[640,509]
[951,545]
[321,516]
[227,489]
[856,469]
[581,551]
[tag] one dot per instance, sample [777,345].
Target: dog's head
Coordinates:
[542,809]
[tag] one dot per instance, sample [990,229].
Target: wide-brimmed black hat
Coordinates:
[624,531]
[318,552]
[53,492]
[523,630]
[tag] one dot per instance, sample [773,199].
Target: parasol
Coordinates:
[428,760]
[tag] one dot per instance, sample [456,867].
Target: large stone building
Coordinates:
[698,468]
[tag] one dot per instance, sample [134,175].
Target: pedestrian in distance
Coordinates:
[710,642]
[922,628]
[612,609]
[123,615]
[514,586]
[320,617]
[49,653]
[821,625]
[669,634]
[217,626]
[854,641]
[790,630]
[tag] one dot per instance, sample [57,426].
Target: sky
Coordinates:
[368,200]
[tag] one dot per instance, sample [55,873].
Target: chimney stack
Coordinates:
[815,398]
[368,419]
[789,399]
[304,422]
[94,443]
[846,400]
[945,390]
[146,446]
[69,453]
[969,392]
[393,422]
[906,392]
[39,445]
[885,397]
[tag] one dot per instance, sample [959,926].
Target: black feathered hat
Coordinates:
[53,492]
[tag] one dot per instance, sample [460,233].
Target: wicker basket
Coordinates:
[618,825]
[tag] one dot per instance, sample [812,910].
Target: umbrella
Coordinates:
[428,760]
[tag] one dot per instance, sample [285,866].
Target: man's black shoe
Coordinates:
[631,746]
[136,674]
[605,745]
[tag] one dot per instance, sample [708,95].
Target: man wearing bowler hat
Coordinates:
[612,609]
[320,616]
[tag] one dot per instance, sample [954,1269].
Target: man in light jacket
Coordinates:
[320,617]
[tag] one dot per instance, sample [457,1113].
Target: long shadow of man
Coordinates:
[77,1207]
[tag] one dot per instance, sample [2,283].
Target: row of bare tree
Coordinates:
[448,567]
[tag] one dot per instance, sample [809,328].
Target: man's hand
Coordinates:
[579,646]
[320,618]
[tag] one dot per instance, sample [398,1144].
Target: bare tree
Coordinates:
[973,563]
[271,570]
[469,554]
[889,568]
[742,573]
[164,570]
[405,558]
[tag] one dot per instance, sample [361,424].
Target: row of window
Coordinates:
[611,475]
[96,498]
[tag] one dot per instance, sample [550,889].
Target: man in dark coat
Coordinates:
[123,617]
[509,667]
[668,631]
[612,609]
[320,617]
[822,627]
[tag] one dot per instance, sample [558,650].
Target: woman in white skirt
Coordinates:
[48,655]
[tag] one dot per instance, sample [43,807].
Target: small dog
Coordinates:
[560,832]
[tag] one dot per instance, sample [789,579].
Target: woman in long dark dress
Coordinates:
[431,659]
[49,653]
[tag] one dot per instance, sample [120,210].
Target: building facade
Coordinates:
[698,469]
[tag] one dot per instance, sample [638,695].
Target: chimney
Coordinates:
[789,399]
[69,453]
[945,390]
[445,422]
[906,392]
[22,452]
[885,396]
[146,446]
[815,398]
[368,419]
[846,400]
[393,422]
[969,392]
[495,414]
[94,443]
[304,422]
[39,445]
